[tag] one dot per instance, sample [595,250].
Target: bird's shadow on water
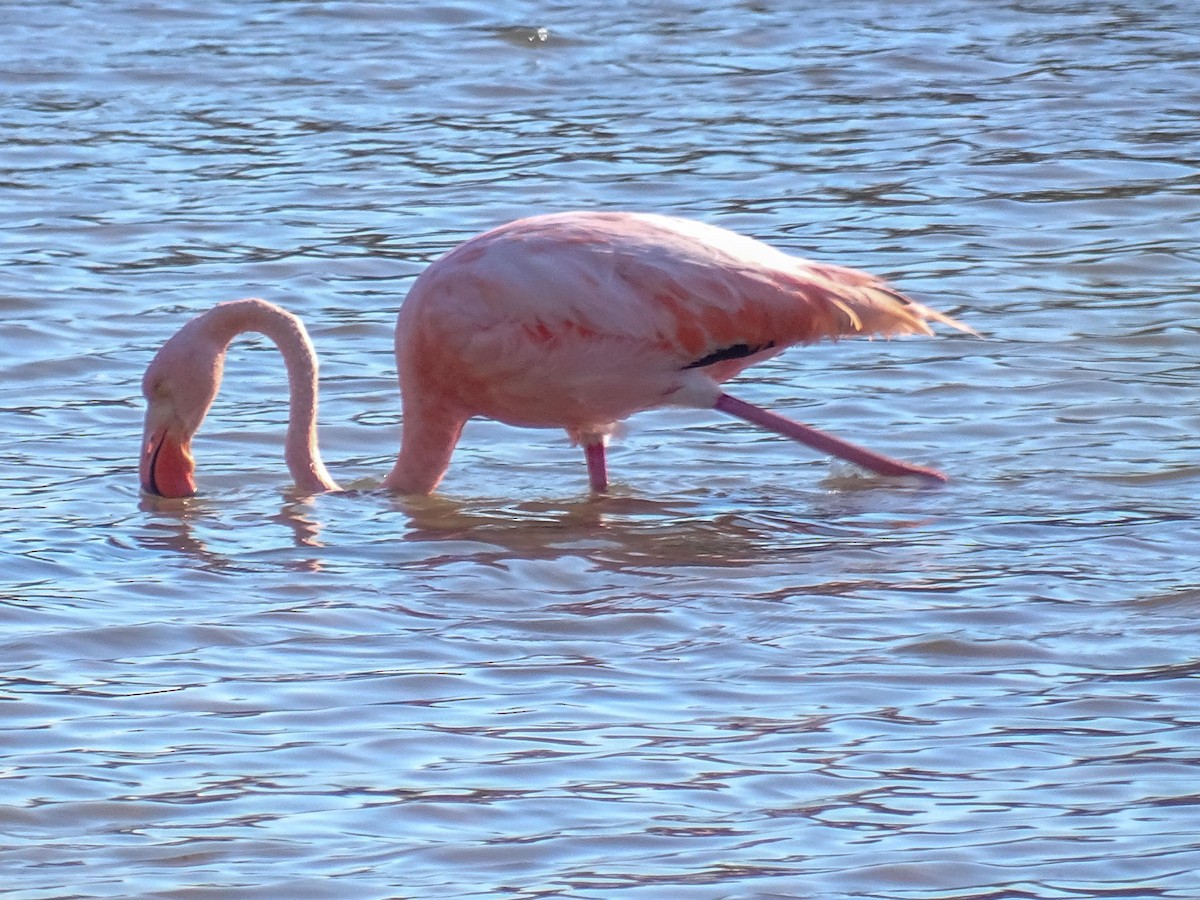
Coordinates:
[703,526]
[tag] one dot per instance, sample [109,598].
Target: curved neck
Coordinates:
[225,322]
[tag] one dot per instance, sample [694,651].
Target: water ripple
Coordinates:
[748,672]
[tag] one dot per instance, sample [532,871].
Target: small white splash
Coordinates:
[539,35]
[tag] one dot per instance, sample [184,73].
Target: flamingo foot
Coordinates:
[819,440]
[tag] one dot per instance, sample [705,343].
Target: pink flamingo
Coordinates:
[574,321]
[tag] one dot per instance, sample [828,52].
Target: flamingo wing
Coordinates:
[601,312]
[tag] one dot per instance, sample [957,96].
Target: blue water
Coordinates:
[751,672]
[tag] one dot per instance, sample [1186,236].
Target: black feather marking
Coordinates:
[152,487]
[733,351]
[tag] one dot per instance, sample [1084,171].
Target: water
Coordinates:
[749,673]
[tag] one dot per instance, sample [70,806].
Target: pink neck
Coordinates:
[228,320]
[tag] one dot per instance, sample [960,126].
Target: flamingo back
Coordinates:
[579,319]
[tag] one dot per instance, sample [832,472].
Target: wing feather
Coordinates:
[613,288]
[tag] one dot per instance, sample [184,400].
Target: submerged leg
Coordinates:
[819,440]
[597,470]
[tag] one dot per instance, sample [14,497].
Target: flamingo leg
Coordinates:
[819,440]
[597,469]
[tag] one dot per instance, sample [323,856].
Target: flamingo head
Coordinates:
[179,386]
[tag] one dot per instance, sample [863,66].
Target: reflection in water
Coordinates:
[305,529]
[176,523]
[172,530]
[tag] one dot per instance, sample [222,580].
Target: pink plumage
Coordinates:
[575,321]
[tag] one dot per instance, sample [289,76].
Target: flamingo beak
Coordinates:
[167,468]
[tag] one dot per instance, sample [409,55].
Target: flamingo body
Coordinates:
[574,321]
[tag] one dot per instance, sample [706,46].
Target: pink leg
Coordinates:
[819,440]
[597,470]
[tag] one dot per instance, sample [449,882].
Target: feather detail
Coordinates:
[580,319]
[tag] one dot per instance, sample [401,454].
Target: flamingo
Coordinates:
[570,320]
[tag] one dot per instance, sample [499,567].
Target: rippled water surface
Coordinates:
[748,673]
